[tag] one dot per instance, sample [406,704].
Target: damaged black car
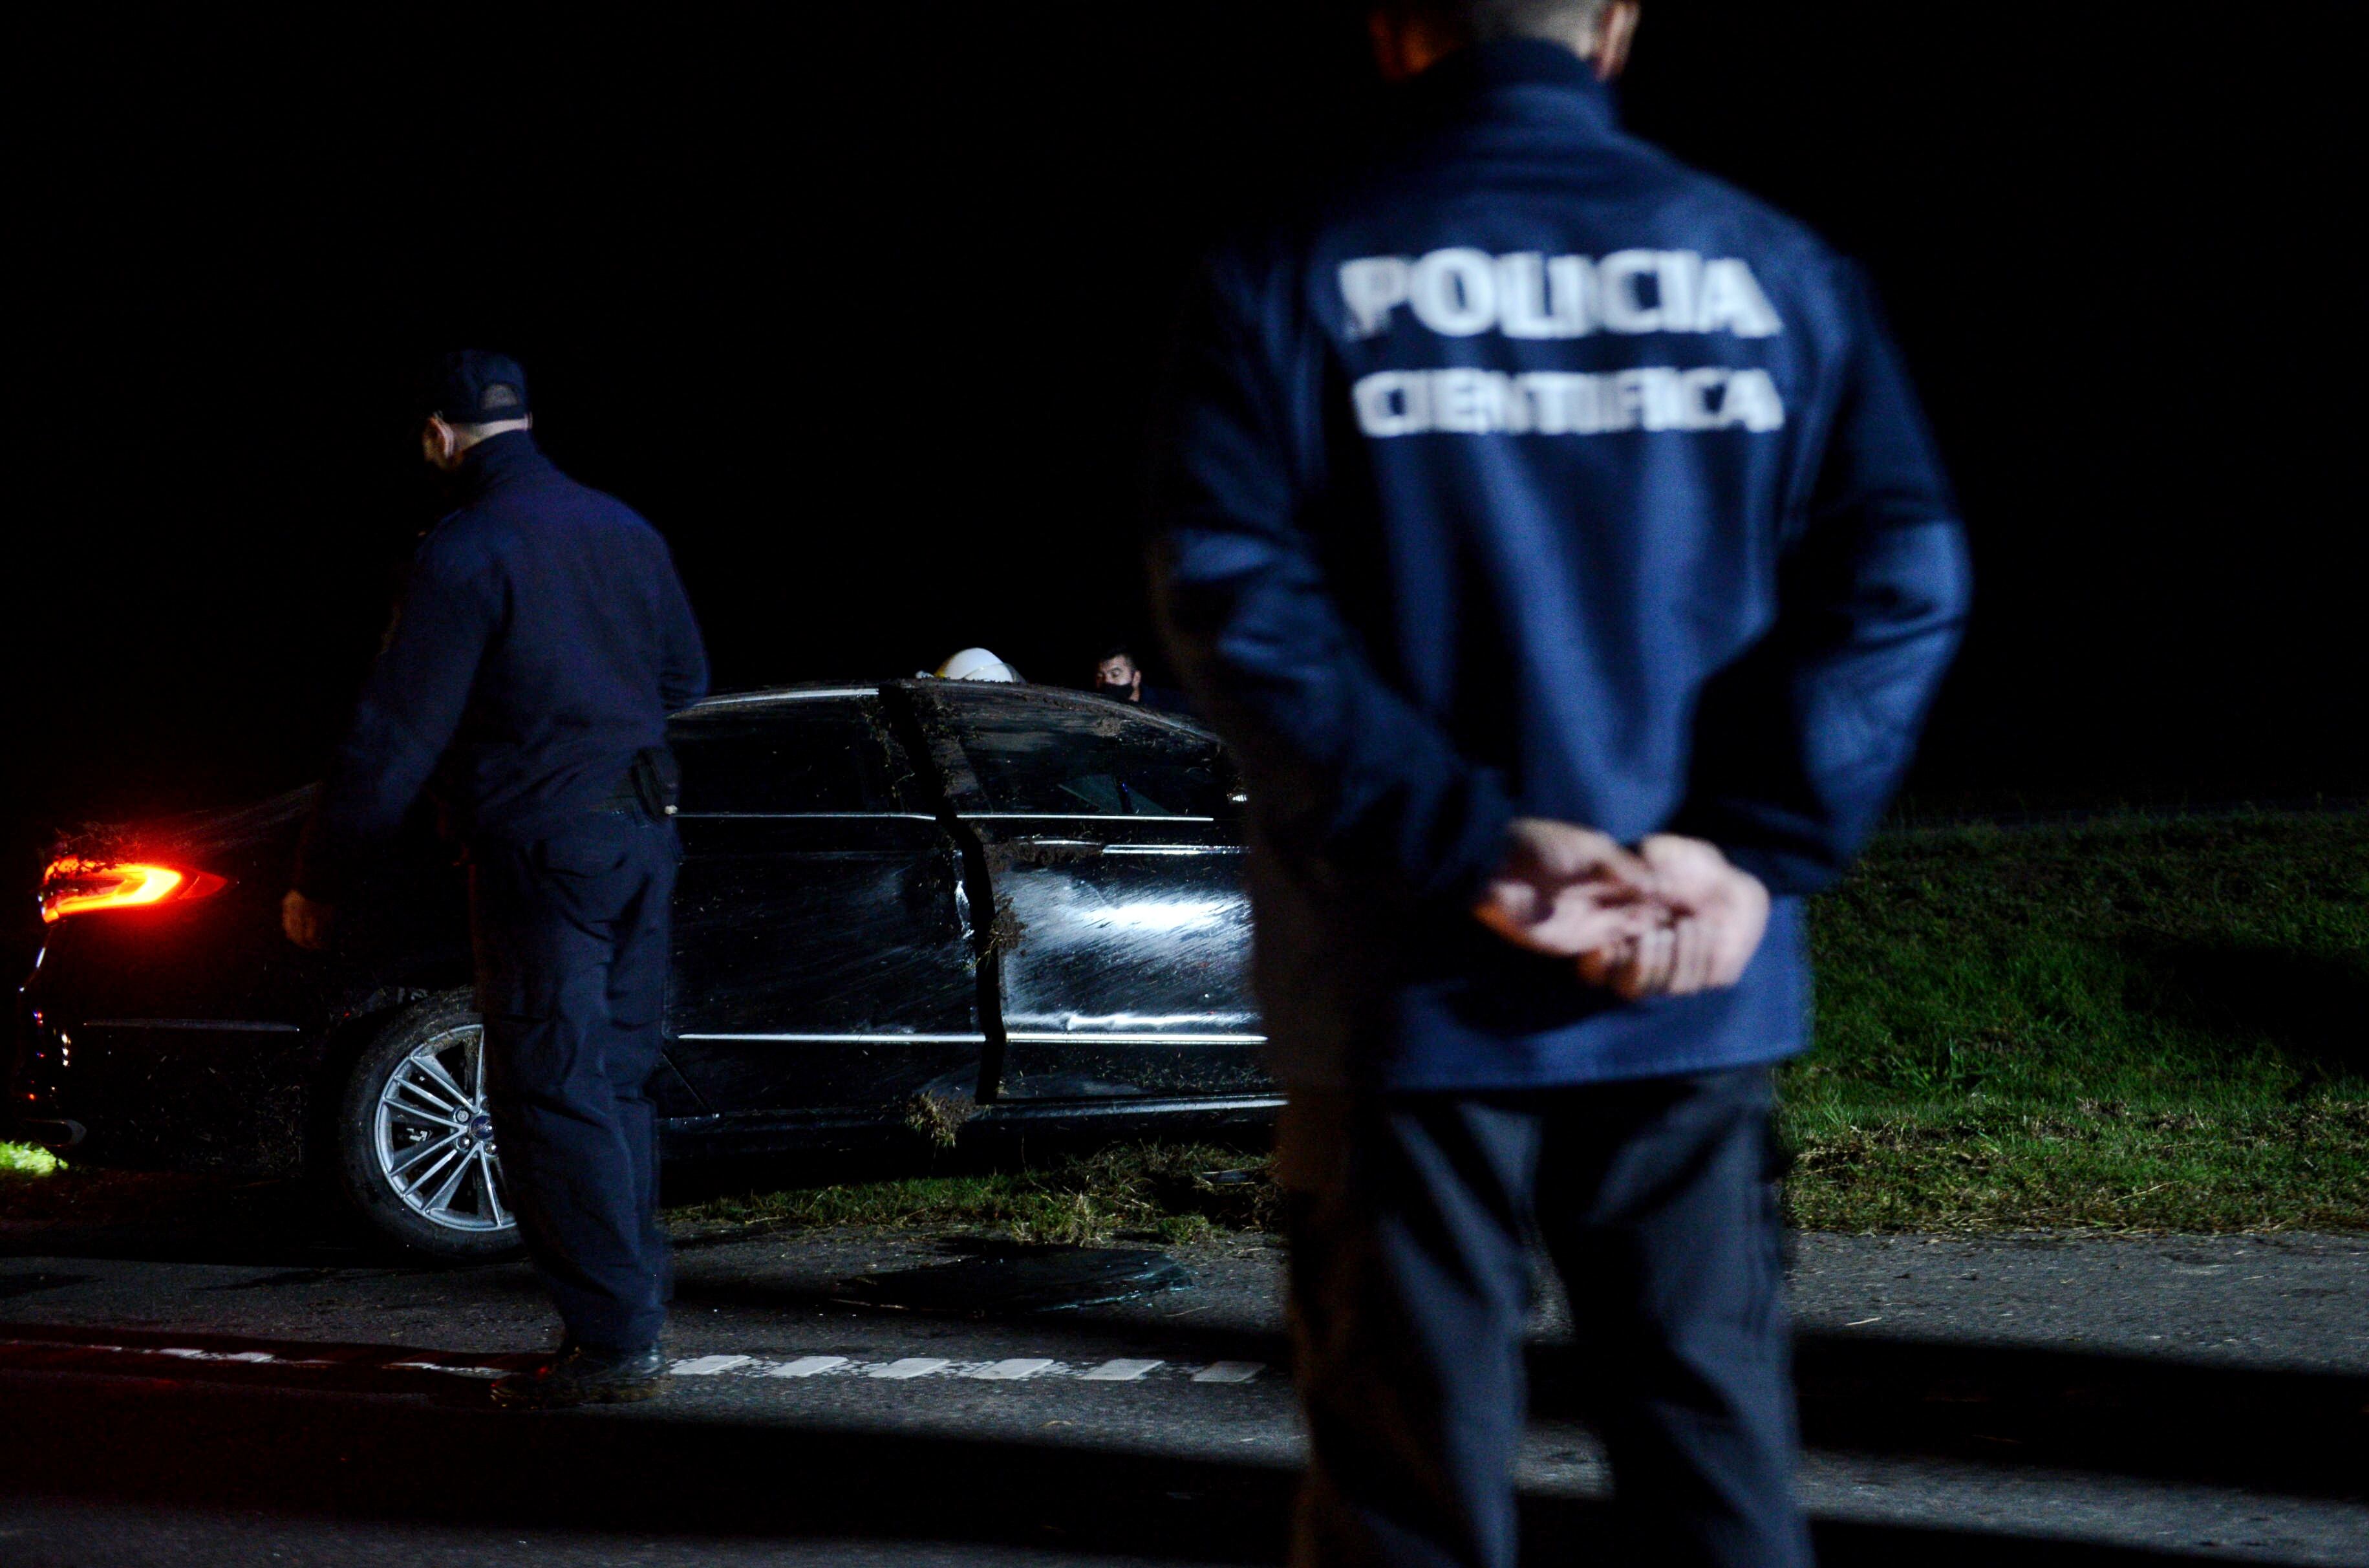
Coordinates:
[930,908]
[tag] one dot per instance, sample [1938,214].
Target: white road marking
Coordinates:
[439,1367]
[909,1366]
[807,1367]
[1118,1371]
[1009,1371]
[1229,1371]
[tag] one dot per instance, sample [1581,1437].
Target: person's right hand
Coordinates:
[306,922]
[1566,891]
[1716,914]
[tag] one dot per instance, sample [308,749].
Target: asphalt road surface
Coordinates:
[244,1391]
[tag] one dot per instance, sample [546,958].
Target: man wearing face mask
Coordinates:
[542,641]
[1119,677]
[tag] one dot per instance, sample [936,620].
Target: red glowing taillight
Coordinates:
[77,886]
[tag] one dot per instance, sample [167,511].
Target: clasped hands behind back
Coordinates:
[1670,918]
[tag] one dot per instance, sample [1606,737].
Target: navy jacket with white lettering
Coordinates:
[542,641]
[1537,474]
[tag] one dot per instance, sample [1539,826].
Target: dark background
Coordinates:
[867,319]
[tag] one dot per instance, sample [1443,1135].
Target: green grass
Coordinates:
[2140,1024]
[1161,1192]
[24,1160]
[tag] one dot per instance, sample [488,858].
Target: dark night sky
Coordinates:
[868,323]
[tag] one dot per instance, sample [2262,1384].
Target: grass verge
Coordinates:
[1166,1192]
[24,1160]
[2135,1024]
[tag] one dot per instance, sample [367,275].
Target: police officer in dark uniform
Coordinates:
[542,641]
[1553,530]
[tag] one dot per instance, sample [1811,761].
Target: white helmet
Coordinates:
[976,664]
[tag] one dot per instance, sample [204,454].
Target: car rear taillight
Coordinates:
[76,886]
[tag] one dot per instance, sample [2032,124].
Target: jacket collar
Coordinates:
[498,461]
[1518,63]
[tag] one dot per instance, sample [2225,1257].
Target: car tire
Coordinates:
[413,1153]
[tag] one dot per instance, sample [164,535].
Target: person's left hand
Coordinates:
[306,922]
[1566,890]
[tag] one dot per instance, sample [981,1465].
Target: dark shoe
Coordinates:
[580,1375]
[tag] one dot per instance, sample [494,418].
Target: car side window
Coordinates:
[1036,754]
[794,758]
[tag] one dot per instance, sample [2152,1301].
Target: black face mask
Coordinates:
[1124,691]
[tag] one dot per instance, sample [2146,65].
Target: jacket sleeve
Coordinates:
[1800,745]
[410,708]
[1331,750]
[682,656]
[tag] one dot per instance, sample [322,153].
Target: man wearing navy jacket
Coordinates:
[1553,532]
[543,639]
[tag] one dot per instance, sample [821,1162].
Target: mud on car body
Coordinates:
[904,910]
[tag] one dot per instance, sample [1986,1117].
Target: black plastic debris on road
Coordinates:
[998,1277]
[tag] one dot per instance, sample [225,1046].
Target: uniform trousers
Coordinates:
[571,943]
[1414,1220]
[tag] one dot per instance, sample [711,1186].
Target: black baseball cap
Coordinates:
[477,386]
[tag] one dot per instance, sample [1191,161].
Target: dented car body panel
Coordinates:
[908,908]
[1113,840]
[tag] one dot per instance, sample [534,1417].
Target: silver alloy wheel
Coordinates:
[434,1138]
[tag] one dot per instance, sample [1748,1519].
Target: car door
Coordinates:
[1113,844]
[823,954]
